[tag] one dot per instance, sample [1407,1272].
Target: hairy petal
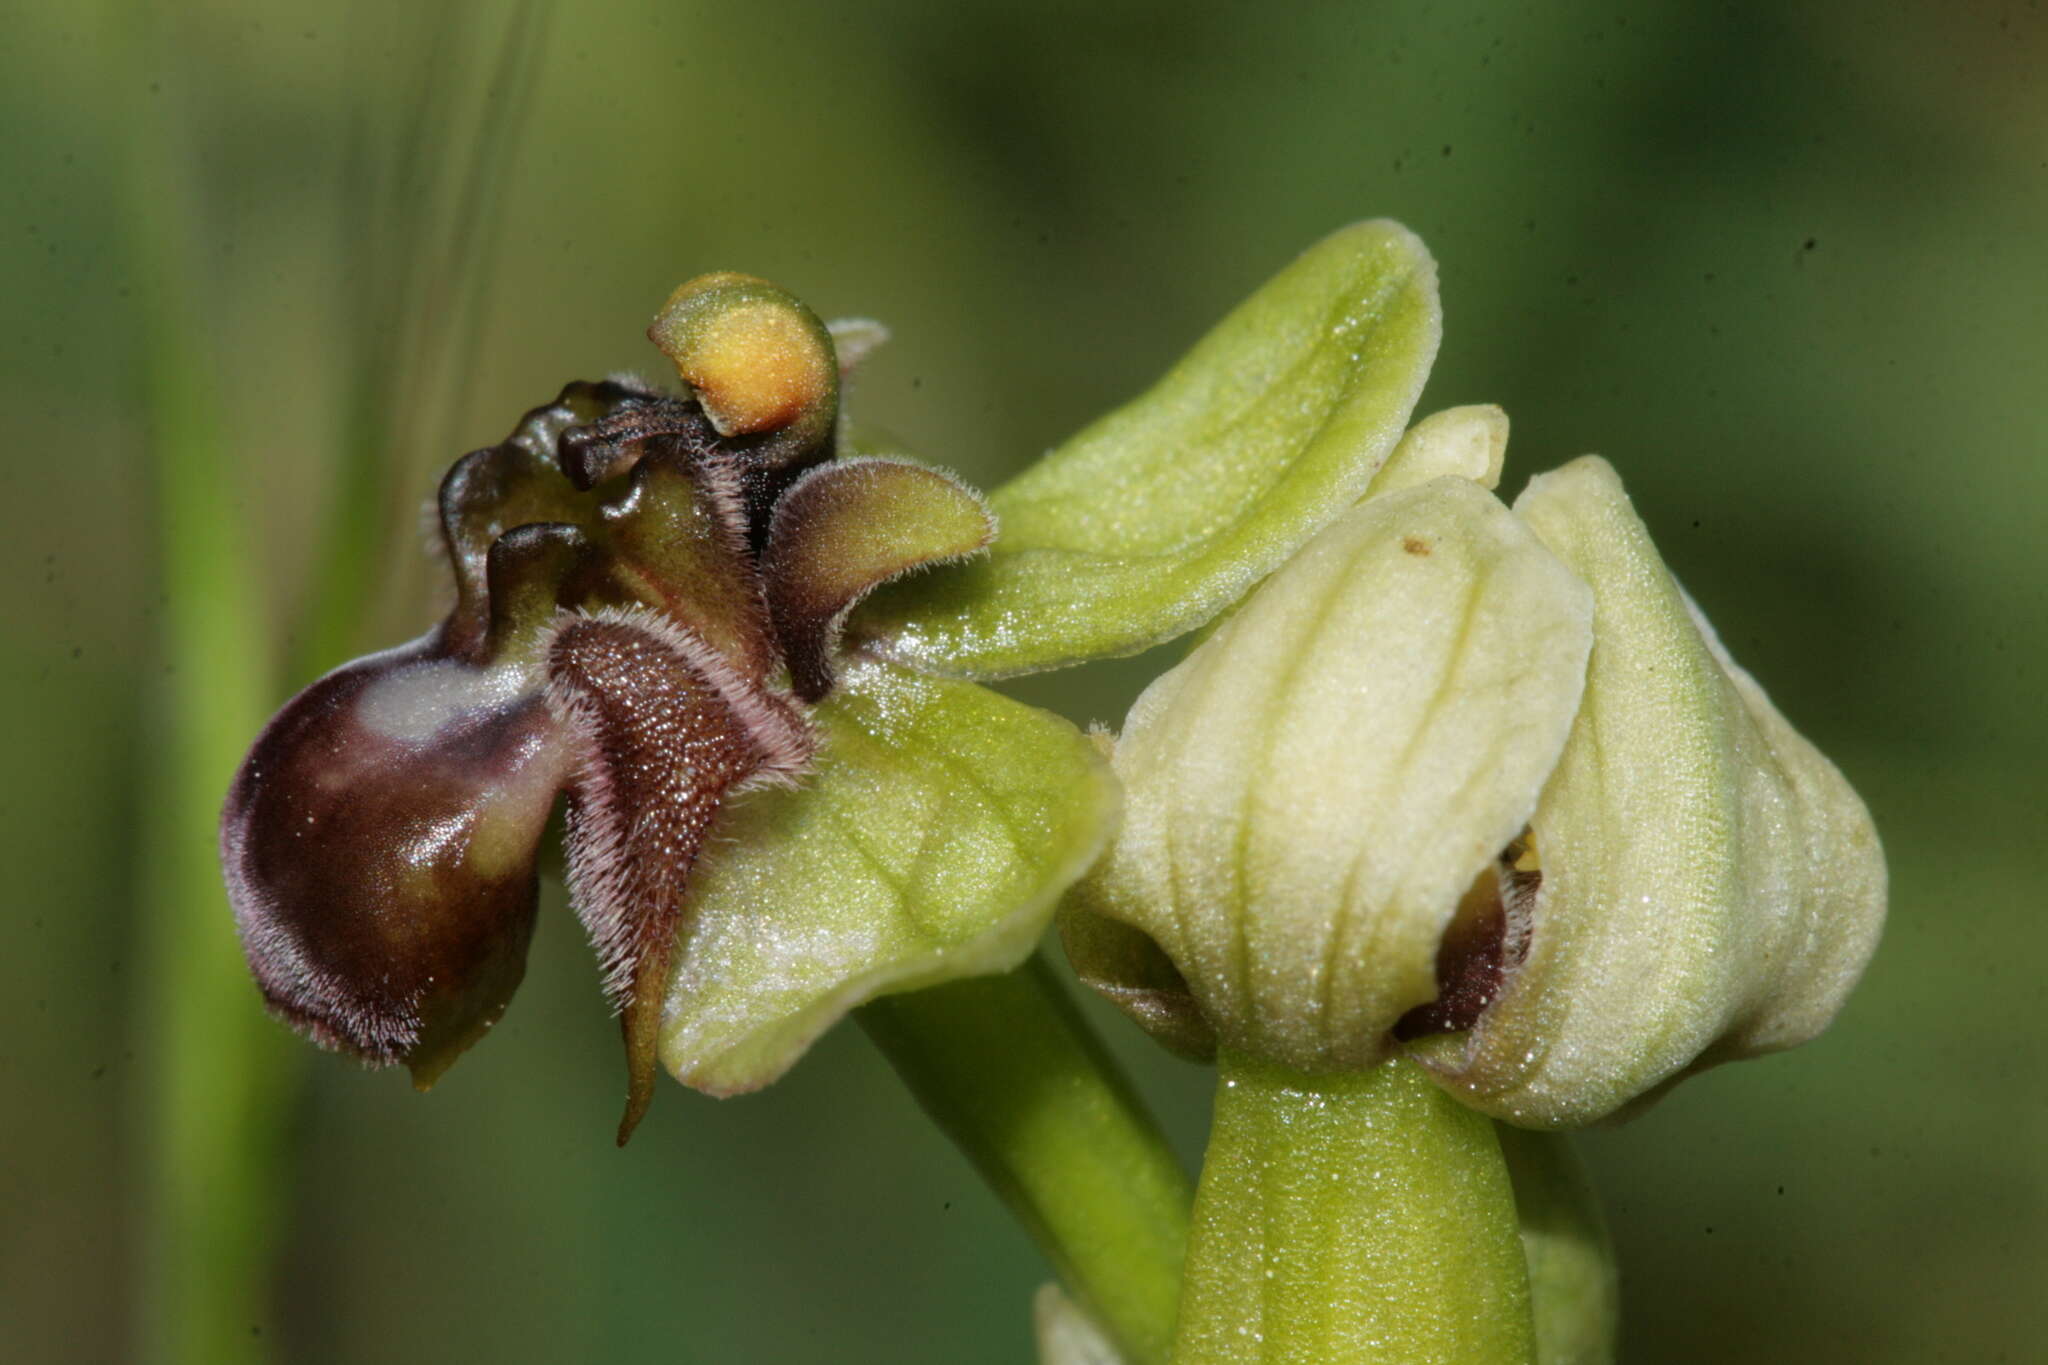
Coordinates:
[846,527]
[666,729]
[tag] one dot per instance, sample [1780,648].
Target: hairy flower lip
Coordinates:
[376,984]
[613,498]
[665,731]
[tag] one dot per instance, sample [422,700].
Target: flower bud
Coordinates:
[1464,772]
[1710,888]
[1310,793]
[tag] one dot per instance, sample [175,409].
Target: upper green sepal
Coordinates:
[931,843]
[1163,513]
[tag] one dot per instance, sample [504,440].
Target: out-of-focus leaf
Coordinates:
[1064,1334]
[1573,1286]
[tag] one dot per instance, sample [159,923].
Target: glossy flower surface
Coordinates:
[1482,780]
[780,801]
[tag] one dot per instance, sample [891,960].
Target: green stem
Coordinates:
[1572,1281]
[215,1065]
[1358,1217]
[1009,1069]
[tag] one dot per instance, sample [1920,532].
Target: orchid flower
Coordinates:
[783,796]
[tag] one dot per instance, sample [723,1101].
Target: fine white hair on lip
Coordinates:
[648,788]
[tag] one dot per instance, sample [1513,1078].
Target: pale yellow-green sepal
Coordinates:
[1470,442]
[1711,886]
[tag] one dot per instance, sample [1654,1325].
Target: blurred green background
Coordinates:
[270,267]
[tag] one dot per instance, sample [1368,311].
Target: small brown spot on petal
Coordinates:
[1415,545]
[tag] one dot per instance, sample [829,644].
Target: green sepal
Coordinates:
[1163,513]
[931,843]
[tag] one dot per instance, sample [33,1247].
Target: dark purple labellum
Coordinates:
[379,844]
[1486,939]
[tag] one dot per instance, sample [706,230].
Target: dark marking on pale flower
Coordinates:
[1487,938]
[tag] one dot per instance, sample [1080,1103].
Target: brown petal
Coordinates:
[844,529]
[379,846]
[667,730]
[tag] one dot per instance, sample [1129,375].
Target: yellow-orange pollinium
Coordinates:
[757,358]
